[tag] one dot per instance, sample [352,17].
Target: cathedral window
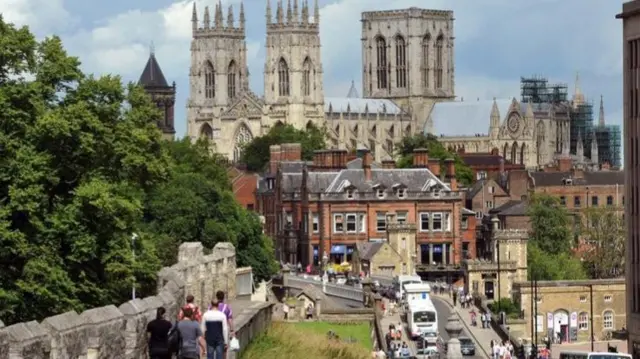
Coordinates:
[306,77]
[381,70]
[439,61]
[243,136]
[283,78]
[425,61]
[206,132]
[401,62]
[231,80]
[209,80]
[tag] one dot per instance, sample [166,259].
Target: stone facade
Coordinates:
[565,307]
[120,332]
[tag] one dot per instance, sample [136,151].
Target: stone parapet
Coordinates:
[120,332]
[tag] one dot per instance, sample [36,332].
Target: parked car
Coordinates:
[467,346]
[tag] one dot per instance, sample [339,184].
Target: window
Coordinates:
[563,200]
[250,207]
[401,217]
[609,200]
[465,223]
[283,78]
[424,222]
[583,321]
[209,80]
[479,215]
[350,193]
[401,62]
[381,221]
[402,192]
[576,201]
[480,175]
[362,223]
[352,221]
[306,77]
[231,80]
[439,61]
[583,299]
[403,243]
[607,320]
[492,189]
[381,71]
[338,225]
[425,61]
[315,222]
[488,204]
[607,298]
[437,223]
[380,193]
[289,218]
[594,201]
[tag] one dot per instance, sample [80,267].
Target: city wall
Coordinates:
[119,331]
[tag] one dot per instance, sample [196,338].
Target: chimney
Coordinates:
[389,164]
[367,159]
[420,158]
[450,164]
[291,152]
[330,160]
[275,156]
[434,167]
[564,163]
[577,173]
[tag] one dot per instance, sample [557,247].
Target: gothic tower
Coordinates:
[293,87]
[155,84]
[218,72]
[408,57]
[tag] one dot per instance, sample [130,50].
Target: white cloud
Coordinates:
[41,15]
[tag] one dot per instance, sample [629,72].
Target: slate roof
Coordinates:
[484,159]
[292,166]
[512,208]
[357,163]
[473,191]
[413,178]
[366,250]
[467,211]
[152,75]
[547,179]
[360,105]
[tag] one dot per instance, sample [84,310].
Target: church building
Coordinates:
[155,84]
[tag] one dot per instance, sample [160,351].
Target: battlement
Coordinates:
[218,26]
[120,332]
[293,18]
[410,12]
[301,28]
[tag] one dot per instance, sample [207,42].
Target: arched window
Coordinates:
[425,61]
[439,61]
[505,151]
[401,62]
[242,136]
[209,80]
[231,79]
[283,78]
[522,150]
[306,77]
[583,321]
[381,70]
[607,320]
[407,131]
[206,131]
[514,153]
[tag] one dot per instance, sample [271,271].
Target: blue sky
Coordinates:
[497,41]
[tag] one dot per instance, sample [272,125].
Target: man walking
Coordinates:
[191,336]
[216,331]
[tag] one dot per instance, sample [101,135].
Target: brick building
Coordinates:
[322,209]
[488,165]
[244,186]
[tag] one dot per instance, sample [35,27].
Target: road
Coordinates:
[444,311]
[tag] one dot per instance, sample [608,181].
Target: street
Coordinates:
[444,311]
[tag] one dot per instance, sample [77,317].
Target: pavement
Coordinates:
[395,319]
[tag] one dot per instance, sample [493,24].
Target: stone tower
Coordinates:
[402,238]
[293,88]
[155,84]
[408,57]
[218,72]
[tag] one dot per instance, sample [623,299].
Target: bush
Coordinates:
[507,306]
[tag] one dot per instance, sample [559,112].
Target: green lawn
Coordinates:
[360,332]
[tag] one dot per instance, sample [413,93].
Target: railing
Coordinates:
[333,290]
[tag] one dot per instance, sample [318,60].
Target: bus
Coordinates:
[401,280]
[415,293]
[593,355]
[422,321]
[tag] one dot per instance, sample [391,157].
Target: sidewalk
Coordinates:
[480,335]
[396,320]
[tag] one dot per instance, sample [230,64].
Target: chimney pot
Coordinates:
[434,167]
[275,156]
[420,158]
[367,160]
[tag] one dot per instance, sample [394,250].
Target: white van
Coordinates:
[401,280]
[415,293]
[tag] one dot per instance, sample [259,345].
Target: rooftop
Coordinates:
[152,75]
[361,106]
[586,178]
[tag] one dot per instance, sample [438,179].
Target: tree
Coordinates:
[553,266]
[604,239]
[255,154]
[77,154]
[407,145]
[550,224]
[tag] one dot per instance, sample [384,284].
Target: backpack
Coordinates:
[175,339]
[197,315]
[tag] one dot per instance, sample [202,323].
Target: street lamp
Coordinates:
[591,316]
[134,236]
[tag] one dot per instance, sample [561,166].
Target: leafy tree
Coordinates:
[255,154]
[550,224]
[407,145]
[604,237]
[553,266]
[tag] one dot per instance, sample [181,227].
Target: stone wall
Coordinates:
[119,332]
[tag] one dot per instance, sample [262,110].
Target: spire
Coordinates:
[296,13]
[578,96]
[495,115]
[268,12]
[594,149]
[601,116]
[316,12]
[219,15]
[242,19]
[152,49]
[207,18]
[230,18]
[289,12]
[194,18]
[353,93]
[529,112]
[305,12]
[279,14]
[152,75]
[580,149]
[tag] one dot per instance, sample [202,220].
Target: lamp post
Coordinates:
[499,272]
[134,236]
[591,316]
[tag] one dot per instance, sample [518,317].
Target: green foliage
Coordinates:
[406,146]
[604,234]
[553,266]
[255,154]
[506,305]
[550,224]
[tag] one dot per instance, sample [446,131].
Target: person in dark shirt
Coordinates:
[158,330]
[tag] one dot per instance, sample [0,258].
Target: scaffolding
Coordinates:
[536,89]
[581,126]
[609,145]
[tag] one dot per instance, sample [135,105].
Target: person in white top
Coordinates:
[216,331]
[285,310]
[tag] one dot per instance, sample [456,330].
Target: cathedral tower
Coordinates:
[218,74]
[293,86]
[408,57]
[155,84]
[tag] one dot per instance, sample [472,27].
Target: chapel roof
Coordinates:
[360,105]
[152,75]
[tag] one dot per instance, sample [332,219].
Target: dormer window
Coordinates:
[380,193]
[351,193]
[402,192]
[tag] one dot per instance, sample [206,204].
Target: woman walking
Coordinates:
[158,331]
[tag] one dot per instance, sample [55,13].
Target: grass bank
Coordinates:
[359,332]
[302,340]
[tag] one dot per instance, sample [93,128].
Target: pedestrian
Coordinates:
[309,311]
[158,332]
[483,319]
[196,314]
[455,298]
[216,331]
[226,309]
[285,310]
[191,336]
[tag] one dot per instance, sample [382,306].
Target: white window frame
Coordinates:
[362,223]
[608,298]
[351,193]
[446,217]
[335,223]
[402,192]
[379,216]
[354,221]
[583,299]
[401,216]
[288,218]
[492,189]
[489,204]
[380,193]
[608,320]
[421,217]
[583,321]
[315,222]
[437,217]
[464,223]
[480,175]
[479,215]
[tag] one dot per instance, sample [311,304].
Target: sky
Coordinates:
[497,41]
